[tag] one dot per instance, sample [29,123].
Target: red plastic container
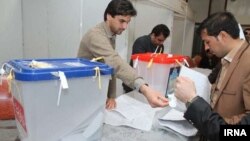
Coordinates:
[156,68]
[6,104]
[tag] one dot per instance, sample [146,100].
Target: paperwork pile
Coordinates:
[130,112]
[174,118]
[133,113]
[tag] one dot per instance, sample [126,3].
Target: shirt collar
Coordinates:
[108,31]
[229,57]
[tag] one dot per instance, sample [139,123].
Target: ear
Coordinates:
[108,17]
[222,35]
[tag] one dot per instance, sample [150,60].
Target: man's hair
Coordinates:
[120,7]
[221,21]
[160,29]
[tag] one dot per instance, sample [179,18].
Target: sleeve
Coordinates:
[200,114]
[246,93]
[101,46]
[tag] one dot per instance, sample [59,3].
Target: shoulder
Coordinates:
[96,33]
[246,54]
[97,30]
[142,39]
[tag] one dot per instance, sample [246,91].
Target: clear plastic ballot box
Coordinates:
[59,99]
[158,70]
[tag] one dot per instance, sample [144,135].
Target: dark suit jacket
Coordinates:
[200,114]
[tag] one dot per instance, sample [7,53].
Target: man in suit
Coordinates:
[230,95]
[100,42]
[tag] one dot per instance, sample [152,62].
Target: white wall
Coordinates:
[178,28]
[10,30]
[54,28]
[188,38]
[241,10]
[182,42]
[50,28]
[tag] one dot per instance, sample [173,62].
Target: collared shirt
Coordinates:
[100,42]
[225,61]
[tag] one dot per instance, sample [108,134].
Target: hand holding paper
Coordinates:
[185,89]
[189,84]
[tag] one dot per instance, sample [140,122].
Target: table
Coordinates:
[122,133]
[8,132]
[125,133]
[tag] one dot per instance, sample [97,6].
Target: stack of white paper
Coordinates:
[175,121]
[130,112]
[174,118]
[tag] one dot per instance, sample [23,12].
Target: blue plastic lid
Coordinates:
[72,67]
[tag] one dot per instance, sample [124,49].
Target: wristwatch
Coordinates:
[191,101]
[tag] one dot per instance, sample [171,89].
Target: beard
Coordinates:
[119,31]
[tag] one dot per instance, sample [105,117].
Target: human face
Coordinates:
[157,40]
[213,44]
[247,34]
[118,23]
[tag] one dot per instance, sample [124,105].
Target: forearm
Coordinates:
[204,119]
[112,88]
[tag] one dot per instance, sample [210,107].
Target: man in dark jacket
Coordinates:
[152,42]
[199,112]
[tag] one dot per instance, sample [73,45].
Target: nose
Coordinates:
[161,42]
[207,50]
[206,47]
[124,25]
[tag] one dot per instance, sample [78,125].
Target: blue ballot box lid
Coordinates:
[45,69]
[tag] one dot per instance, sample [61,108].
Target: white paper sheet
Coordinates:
[202,85]
[174,120]
[130,112]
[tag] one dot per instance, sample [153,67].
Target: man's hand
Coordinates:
[155,98]
[184,89]
[110,103]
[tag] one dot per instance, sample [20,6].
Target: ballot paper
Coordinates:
[174,120]
[130,112]
[202,86]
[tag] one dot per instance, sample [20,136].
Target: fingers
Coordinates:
[160,101]
[110,104]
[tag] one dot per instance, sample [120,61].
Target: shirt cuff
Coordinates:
[192,100]
[138,83]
